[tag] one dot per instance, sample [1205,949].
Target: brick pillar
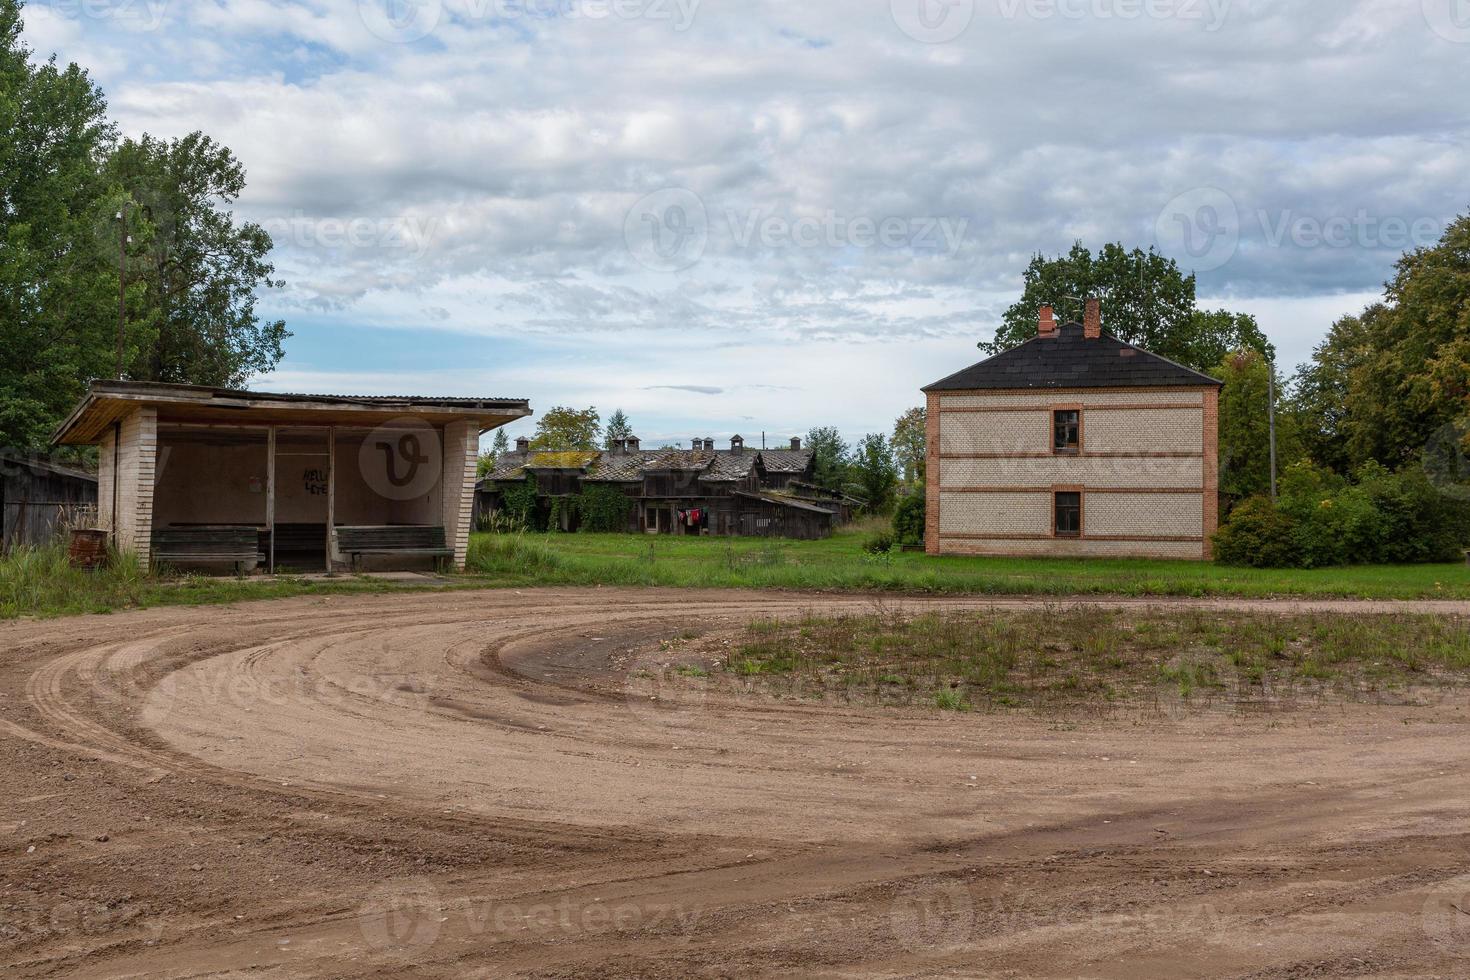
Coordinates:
[461,453]
[1211,468]
[137,456]
[931,475]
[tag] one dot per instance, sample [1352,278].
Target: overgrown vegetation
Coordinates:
[1322,519]
[1093,658]
[41,582]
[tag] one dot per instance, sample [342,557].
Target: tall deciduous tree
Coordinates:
[829,455]
[874,470]
[563,429]
[910,442]
[58,284]
[1387,382]
[1245,427]
[203,271]
[1147,301]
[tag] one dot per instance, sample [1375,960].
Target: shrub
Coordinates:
[1323,520]
[1259,535]
[908,519]
[604,508]
[879,544]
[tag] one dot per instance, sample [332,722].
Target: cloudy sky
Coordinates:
[764,215]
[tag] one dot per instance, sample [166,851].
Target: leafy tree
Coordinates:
[1147,301]
[1386,382]
[1322,391]
[910,442]
[197,323]
[618,427]
[1245,425]
[499,447]
[192,273]
[875,471]
[58,250]
[830,456]
[565,429]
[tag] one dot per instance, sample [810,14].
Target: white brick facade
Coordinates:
[1146,471]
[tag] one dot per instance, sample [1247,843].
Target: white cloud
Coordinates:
[516,144]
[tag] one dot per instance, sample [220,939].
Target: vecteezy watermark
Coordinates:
[1204,228]
[408,233]
[679,13]
[670,230]
[933,21]
[400,21]
[1446,917]
[405,917]
[134,15]
[1446,458]
[1450,19]
[404,21]
[933,919]
[663,694]
[1212,14]
[401,916]
[402,459]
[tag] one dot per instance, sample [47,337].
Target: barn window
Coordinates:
[1066,430]
[1068,514]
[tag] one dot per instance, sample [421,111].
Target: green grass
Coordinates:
[40,583]
[1094,658]
[837,563]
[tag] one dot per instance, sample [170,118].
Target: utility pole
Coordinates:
[122,284]
[1271,414]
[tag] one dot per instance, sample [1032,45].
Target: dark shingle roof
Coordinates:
[786,460]
[607,467]
[1070,360]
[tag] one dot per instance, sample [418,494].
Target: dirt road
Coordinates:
[509,784]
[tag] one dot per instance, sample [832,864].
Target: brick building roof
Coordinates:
[1067,359]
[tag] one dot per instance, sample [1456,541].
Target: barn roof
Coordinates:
[109,401]
[611,467]
[1067,359]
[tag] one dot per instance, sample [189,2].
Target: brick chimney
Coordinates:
[1048,326]
[1092,319]
[523,445]
[737,444]
[796,443]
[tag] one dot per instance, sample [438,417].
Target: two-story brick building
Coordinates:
[1073,444]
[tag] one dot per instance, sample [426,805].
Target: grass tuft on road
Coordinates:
[1093,658]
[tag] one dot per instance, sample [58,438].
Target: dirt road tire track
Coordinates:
[396,785]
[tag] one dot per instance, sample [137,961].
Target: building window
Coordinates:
[1068,514]
[1066,430]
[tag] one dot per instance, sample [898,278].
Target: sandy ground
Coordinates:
[503,784]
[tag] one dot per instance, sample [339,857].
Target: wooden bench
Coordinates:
[237,545]
[405,540]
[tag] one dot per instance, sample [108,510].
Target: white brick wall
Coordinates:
[1091,471]
[1145,514]
[994,513]
[995,432]
[1143,430]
